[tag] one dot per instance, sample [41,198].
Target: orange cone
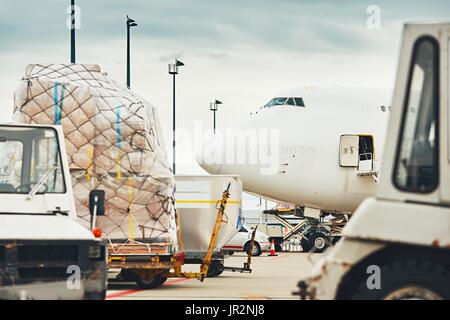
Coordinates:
[272,250]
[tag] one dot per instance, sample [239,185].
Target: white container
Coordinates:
[197,199]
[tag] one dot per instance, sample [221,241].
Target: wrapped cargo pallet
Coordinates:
[114,143]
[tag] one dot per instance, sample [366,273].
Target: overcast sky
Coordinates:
[241,52]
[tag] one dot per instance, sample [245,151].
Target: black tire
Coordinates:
[305,245]
[408,279]
[318,242]
[152,283]
[215,269]
[96,295]
[230,253]
[256,249]
[127,275]
[163,279]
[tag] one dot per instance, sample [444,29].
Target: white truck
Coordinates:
[44,252]
[241,241]
[397,245]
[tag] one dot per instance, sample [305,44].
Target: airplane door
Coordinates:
[349,151]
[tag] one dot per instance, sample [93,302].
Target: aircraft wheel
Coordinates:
[305,245]
[318,242]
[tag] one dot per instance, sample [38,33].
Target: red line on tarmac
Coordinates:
[123,293]
[128,292]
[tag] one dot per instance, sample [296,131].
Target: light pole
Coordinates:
[72,31]
[130,23]
[213,107]
[173,70]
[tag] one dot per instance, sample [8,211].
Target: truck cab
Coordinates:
[397,245]
[44,252]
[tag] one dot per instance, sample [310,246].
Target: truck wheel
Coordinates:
[408,280]
[152,283]
[163,279]
[96,295]
[215,270]
[256,249]
[230,253]
[305,245]
[318,242]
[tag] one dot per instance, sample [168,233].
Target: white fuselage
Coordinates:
[308,169]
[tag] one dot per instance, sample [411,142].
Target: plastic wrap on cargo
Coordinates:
[114,143]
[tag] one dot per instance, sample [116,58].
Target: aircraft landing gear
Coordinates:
[317,233]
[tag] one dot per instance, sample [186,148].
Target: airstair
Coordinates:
[367,166]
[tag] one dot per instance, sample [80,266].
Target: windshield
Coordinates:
[276,102]
[29,157]
[292,101]
[417,163]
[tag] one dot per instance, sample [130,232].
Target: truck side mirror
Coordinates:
[97,202]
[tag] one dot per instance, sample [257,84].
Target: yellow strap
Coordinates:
[119,171]
[89,170]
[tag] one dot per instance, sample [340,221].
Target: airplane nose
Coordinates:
[211,168]
[244,152]
[204,161]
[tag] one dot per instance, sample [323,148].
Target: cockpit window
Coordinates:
[299,102]
[276,102]
[280,101]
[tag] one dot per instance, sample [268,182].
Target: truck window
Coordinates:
[10,165]
[29,157]
[45,154]
[417,155]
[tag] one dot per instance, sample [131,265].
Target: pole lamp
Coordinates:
[173,70]
[130,23]
[213,106]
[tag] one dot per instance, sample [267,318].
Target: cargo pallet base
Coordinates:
[149,265]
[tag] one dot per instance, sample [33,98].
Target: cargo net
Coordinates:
[114,143]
